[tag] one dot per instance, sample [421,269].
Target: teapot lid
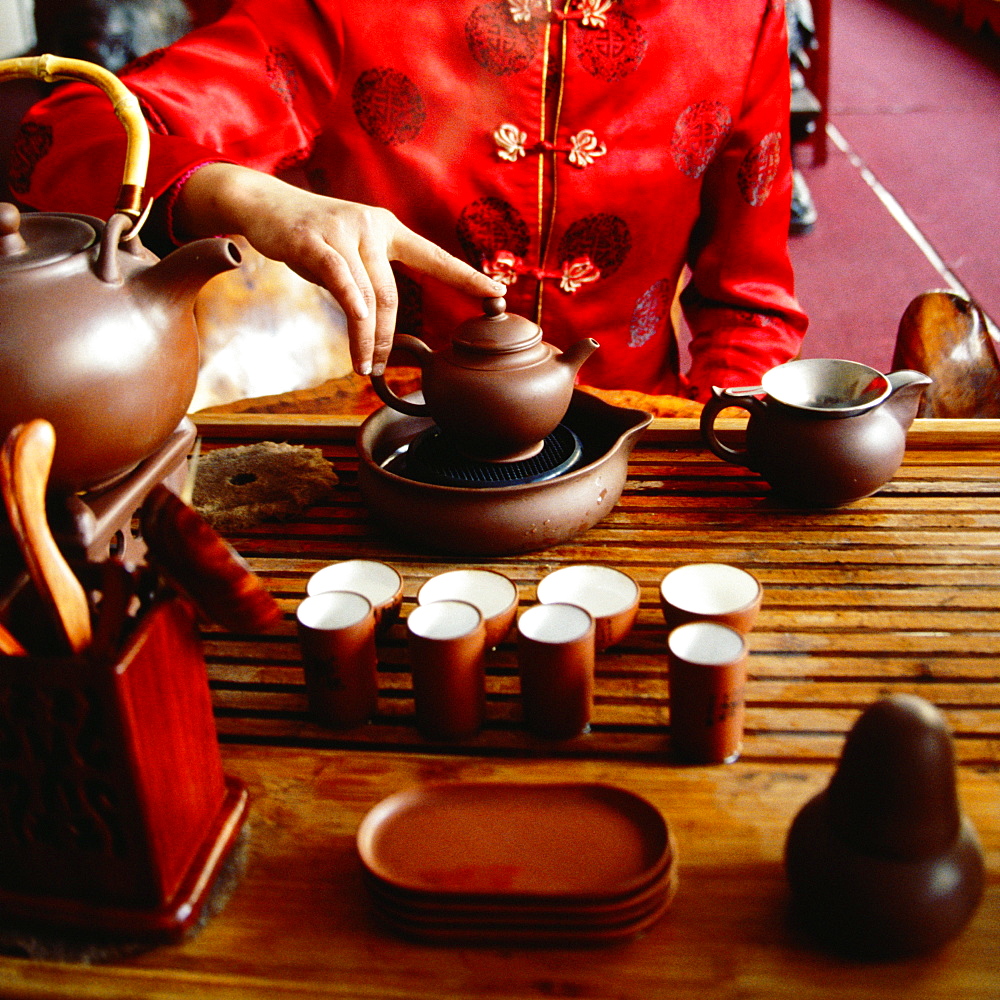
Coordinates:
[497,331]
[36,238]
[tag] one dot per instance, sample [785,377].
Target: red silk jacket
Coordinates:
[590,155]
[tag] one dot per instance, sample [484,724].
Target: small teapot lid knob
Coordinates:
[496,331]
[11,240]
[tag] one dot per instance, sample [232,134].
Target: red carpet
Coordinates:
[916,98]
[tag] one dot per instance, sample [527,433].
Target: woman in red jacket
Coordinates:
[591,155]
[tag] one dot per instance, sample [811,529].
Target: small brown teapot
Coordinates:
[822,432]
[498,390]
[96,334]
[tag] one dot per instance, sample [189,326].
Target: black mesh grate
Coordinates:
[430,458]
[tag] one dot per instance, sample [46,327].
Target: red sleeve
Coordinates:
[247,89]
[740,303]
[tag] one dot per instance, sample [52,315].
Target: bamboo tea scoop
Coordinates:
[25,462]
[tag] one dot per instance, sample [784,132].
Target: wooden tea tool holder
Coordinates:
[93,525]
[115,814]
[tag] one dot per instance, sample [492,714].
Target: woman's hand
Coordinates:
[341,245]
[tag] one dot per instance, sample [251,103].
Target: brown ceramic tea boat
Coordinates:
[97,335]
[498,520]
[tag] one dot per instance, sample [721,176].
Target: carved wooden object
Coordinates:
[948,337]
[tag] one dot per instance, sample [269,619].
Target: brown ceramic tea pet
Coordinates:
[883,863]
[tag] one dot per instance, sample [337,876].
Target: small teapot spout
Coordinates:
[575,355]
[906,387]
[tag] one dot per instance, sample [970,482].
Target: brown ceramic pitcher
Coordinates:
[822,432]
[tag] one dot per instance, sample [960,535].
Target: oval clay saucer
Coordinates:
[496,914]
[571,844]
[557,933]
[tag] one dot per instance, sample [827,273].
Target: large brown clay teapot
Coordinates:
[96,334]
[822,432]
[497,390]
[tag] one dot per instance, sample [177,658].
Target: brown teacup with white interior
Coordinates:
[493,593]
[711,592]
[447,640]
[707,680]
[609,595]
[337,637]
[555,658]
[377,581]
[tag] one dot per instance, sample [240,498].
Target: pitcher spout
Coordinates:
[906,389]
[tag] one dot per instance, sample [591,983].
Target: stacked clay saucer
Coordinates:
[560,864]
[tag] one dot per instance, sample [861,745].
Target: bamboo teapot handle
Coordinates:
[126,106]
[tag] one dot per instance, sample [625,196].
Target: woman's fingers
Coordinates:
[382,239]
[360,236]
[422,255]
[346,247]
[386,306]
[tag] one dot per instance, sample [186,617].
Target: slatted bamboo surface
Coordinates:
[899,592]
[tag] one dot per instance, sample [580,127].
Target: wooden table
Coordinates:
[895,593]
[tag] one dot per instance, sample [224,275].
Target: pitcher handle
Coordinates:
[126,106]
[419,351]
[742,396]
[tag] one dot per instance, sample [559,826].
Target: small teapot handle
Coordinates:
[420,352]
[744,397]
[126,106]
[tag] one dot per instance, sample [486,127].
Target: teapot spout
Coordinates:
[181,274]
[575,355]
[906,387]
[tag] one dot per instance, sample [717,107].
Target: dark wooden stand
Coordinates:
[116,814]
